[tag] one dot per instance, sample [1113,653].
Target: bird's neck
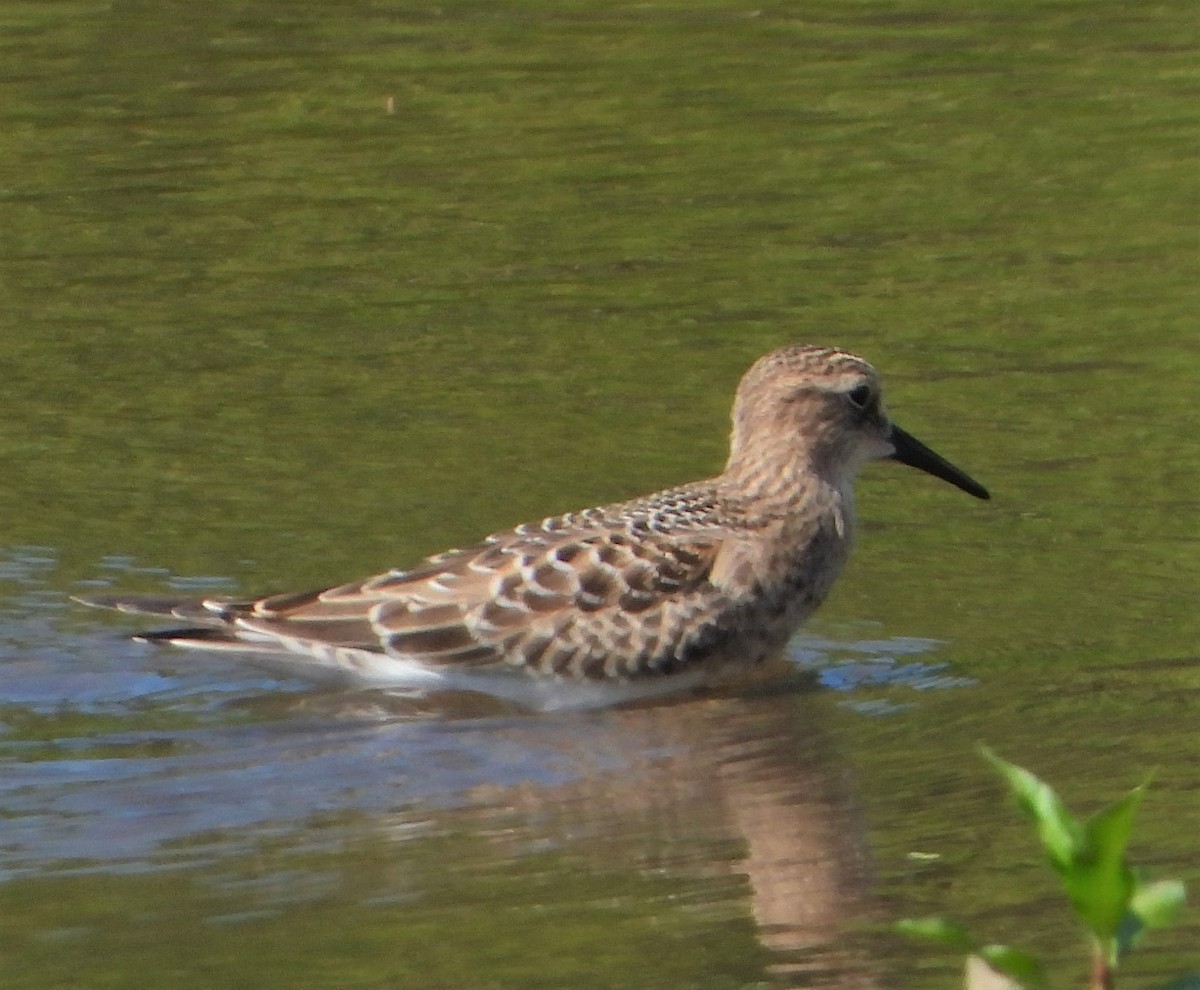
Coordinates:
[775,475]
[799,531]
[795,498]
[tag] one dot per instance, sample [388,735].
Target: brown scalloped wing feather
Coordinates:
[590,604]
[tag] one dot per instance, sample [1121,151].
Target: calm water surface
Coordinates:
[259,332]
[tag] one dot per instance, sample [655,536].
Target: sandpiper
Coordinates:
[640,598]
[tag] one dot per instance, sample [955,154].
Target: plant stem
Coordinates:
[1102,972]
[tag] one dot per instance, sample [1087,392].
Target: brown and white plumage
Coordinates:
[622,601]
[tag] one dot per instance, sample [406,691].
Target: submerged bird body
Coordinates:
[623,601]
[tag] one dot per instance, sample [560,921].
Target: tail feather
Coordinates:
[212,626]
[199,634]
[215,633]
[212,639]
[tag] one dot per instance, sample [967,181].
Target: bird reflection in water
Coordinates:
[750,786]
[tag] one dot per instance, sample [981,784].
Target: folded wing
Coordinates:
[568,598]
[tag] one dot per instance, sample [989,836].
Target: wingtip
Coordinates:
[99,601]
[166,606]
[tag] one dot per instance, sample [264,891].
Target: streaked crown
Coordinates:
[808,408]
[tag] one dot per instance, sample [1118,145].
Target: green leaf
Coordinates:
[1015,963]
[1099,881]
[943,930]
[1061,834]
[1153,905]
[1160,903]
[1109,828]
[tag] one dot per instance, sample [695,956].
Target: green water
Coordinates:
[260,330]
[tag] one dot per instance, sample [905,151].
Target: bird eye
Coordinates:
[860,396]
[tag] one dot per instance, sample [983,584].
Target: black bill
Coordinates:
[910,451]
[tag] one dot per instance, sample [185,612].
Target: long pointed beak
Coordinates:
[910,451]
